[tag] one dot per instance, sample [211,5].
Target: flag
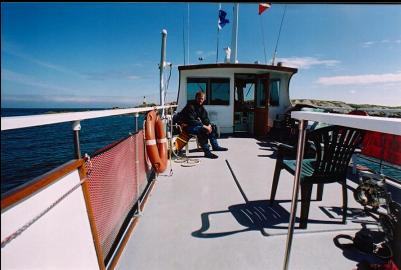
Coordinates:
[263,7]
[222,19]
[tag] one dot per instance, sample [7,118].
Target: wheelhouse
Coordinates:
[240,98]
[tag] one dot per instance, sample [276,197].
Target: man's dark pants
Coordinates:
[203,137]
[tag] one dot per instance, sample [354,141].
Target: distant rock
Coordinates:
[343,107]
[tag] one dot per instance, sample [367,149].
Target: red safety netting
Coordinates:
[379,145]
[382,146]
[117,176]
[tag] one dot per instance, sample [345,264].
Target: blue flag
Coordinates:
[222,19]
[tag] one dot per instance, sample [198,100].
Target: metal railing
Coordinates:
[16,122]
[372,123]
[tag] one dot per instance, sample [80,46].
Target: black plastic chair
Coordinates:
[333,147]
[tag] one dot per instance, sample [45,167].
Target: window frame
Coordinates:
[209,81]
[271,92]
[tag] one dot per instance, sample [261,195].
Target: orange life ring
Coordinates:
[156,141]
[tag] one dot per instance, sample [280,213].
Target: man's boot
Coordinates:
[208,154]
[215,145]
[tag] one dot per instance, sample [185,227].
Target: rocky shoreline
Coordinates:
[343,107]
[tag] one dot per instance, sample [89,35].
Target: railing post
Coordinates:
[138,213]
[136,122]
[76,127]
[298,168]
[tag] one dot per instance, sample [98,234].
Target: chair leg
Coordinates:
[345,201]
[306,193]
[276,177]
[319,194]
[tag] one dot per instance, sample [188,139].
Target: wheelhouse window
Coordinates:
[194,85]
[274,92]
[217,90]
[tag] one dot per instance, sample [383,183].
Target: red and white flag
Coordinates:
[263,7]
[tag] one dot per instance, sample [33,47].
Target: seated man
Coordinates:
[196,122]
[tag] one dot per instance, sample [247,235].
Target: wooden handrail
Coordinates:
[28,189]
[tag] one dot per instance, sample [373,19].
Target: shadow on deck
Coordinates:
[260,215]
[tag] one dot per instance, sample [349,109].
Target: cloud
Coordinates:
[111,75]
[306,62]
[133,77]
[16,77]
[41,63]
[368,44]
[76,101]
[361,79]
[205,54]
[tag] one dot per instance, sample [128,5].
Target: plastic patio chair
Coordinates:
[334,146]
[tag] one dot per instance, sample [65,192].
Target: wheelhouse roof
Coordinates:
[230,65]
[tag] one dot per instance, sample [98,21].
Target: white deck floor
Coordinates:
[199,219]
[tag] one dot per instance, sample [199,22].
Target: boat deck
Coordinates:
[204,217]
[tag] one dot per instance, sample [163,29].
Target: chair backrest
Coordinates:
[334,147]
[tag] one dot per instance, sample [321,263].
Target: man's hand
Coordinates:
[208,128]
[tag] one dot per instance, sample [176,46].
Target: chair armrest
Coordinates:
[285,147]
[290,150]
[285,150]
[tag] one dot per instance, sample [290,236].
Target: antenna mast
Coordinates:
[183,38]
[279,32]
[234,34]
[218,31]
[161,66]
[188,35]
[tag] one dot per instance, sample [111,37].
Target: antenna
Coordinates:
[218,31]
[275,50]
[183,37]
[162,66]
[234,34]
[188,34]
[263,38]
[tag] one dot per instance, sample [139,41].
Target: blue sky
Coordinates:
[107,54]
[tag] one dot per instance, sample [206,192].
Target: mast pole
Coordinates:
[218,31]
[188,34]
[183,38]
[234,34]
[161,66]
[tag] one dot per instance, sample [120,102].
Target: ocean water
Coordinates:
[27,153]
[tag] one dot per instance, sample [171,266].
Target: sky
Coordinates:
[100,55]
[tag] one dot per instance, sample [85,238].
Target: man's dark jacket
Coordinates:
[194,114]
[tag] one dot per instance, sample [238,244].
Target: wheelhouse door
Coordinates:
[244,103]
[261,105]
